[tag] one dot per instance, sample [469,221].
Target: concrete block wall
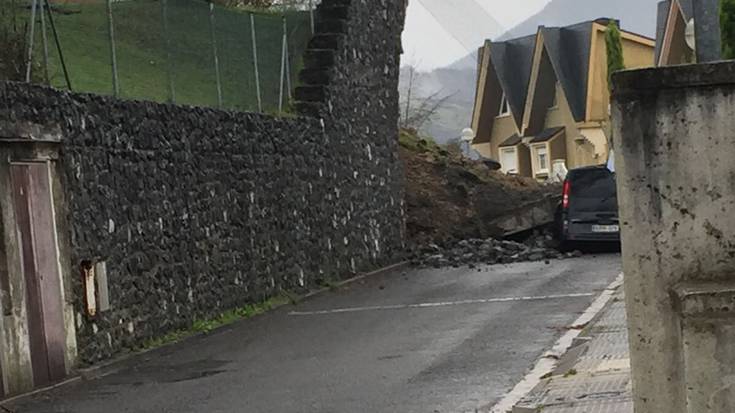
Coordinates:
[195,210]
[675,163]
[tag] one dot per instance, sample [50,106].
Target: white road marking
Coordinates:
[438,304]
[548,361]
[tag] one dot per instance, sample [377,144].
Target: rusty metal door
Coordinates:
[39,257]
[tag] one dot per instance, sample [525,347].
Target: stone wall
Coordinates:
[195,210]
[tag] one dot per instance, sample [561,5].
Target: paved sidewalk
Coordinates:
[594,375]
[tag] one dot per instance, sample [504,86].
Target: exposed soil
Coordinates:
[450,197]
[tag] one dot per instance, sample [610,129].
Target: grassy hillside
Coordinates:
[142,53]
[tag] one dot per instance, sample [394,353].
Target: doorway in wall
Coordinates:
[37,242]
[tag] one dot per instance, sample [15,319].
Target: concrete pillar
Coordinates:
[675,159]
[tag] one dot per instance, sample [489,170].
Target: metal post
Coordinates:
[283,67]
[708,38]
[311,15]
[288,60]
[255,62]
[31,38]
[58,44]
[113,54]
[214,53]
[169,56]
[44,38]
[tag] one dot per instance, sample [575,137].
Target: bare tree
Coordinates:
[417,111]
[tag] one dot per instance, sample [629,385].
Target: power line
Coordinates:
[464,20]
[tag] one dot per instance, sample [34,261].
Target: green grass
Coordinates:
[412,141]
[142,53]
[205,326]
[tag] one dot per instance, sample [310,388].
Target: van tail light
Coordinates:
[565,194]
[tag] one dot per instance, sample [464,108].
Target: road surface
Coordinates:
[449,340]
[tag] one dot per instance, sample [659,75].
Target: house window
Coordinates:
[509,160]
[504,106]
[542,159]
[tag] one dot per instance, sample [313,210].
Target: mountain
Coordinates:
[458,78]
[457,85]
[638,16]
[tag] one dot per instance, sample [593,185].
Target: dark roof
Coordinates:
[687,9]
[662,19]
[512,141]
[547,135]
[569,52]
[512,61]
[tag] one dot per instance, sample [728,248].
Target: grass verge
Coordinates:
[205,326]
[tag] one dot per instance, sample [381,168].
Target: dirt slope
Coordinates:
[451,197]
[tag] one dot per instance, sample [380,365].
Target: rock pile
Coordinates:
[473,252]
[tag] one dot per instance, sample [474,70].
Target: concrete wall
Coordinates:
[197,210]
[674,159]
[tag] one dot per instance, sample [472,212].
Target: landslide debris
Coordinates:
[450,197]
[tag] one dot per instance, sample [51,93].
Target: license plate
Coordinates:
[606,228]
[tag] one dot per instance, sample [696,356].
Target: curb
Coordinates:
[66,382]
[551,359]
[115,365]
[381,271]
[112,366]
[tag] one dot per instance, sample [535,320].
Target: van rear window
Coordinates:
[594,191]
[593,184]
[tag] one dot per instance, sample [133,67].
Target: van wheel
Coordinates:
[565,246]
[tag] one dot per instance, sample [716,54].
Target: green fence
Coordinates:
[183,51]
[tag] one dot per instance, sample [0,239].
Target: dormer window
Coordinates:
[504,106]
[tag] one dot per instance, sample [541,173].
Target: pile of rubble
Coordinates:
[449,196]
[473,252]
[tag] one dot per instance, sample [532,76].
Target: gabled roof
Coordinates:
[664,7]
[569,51]
[513,64]
[512,60]
[667,10]
[512,141]
[687,8]
[547,135]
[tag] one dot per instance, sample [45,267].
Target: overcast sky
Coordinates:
[435,36]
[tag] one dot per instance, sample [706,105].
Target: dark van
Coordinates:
[589,208]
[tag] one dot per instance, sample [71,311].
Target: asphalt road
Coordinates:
[451,340]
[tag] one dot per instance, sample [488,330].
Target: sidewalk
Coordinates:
[594,375]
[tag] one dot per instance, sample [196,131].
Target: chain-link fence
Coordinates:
[235,54]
